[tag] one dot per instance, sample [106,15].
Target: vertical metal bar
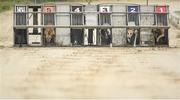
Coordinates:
[26,14]
[14,10]
[83,16]
[127,18]
[27,36]
[14,16]
[167,18]
[70,15]
[126,21]
[100,19]
[111,14]
[42,15]
[55,15]
[156,16]
[138,15]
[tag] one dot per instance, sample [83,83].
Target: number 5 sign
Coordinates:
[160,9]
[132,9]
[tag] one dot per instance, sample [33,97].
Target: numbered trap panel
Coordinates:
[91,25]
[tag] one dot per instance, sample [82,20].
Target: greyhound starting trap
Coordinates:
[91,25]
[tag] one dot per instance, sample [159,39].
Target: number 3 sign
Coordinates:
[132,9]
[161,9]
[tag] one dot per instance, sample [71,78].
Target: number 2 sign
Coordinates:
[132,9]
[160,9]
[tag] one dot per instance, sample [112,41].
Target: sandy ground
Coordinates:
[6,29]
[100,73]
[93,73]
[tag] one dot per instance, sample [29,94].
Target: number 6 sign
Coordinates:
[160,9]
[20,9]
[132,9]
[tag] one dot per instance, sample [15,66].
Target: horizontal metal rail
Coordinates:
[84,26]
[95,12]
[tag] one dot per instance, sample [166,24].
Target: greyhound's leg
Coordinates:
[135,39]
[159,37]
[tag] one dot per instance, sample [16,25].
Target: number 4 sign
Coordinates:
[132,9]
[161,9]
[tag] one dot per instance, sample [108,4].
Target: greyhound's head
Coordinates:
[130,32]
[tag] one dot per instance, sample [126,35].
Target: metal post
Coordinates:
[147,2]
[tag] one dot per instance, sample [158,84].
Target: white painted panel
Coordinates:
[62,8]
[119,8]
[30,20]
[146,37]
[119,36]
[119,19]
[34,40]
[63,20]
[91,19]
[63,37]
[85,36]
[94,36]
[39,20]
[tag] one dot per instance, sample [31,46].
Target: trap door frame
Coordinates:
[147,18]
[133,9]
[99,37]
[63,18]
[119,18]
[16,35]
[102,13]
[74,12]
[94,36]
[49,9]
[162,10]
[91,15]
[49,12]
[80,41]
[20,10]
[38,17]
[35,34]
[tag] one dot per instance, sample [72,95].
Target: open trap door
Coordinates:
[49,36]
[133,37]
[90,37]
[49,19]
[133,34]
[161,34]
[104,37]
[20,36]
[34,19]
[77,36]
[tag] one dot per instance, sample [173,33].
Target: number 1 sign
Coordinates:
[132,9]
[160,9]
